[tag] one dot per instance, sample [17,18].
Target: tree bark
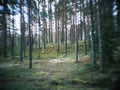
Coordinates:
[65,27]
[30,35]
[21,36]
[84,26]
[39,27]
[100,38]
[5,30]
[93,55]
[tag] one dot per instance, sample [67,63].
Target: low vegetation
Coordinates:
[53,72]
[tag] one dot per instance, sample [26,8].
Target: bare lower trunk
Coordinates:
[5,31]
[93,56]
[100,38]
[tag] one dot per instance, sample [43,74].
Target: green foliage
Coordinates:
[55,74]
[0,47]
[50,51]
[57,71]
[116,55]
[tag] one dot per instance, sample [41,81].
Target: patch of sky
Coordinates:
[115,10]
[1,7]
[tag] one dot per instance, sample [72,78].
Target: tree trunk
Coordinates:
[76,32]
[58,45]
[118,14]
[30,35]
[84,26]
[13,37]
[88,25]
[65,22]
[81,25]
[93,55]
[21,36]
[5,30]
[39,27]
[100,38]
[24,37]
[44,29]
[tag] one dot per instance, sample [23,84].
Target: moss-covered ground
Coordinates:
[57,72]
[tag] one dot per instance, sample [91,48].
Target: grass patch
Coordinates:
[57,72]
[53,74]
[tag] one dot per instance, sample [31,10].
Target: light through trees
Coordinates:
[67,26]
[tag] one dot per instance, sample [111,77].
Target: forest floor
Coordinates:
[56,74]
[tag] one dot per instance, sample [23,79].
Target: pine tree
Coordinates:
[93,55]
[21,36]
[30,35]
[5,30]
[100,37]
[39,28]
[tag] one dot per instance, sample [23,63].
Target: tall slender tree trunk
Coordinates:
[81,25]
[21,36]
[93,56]
[71,25]
[100,37]
[76,32]
[58,43]
[43,38]
[62,32]
[13,36]
[49,11]
[5,30]
[65,40]
[44,29]
[39,24]
[9,27]
[55,26]
[24,37]
[118,14]
[13,33]
[88,25]
[84,26]
[30,35]
[96,27]
[46,33]
[65,22]
[72,31]
[49,34]
[51,40]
